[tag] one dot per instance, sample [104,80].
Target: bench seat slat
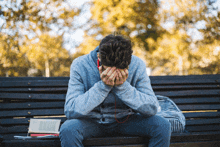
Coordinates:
[198,100]
[189,93]
[167,77]
[199,107]
[203,128]
[195,128]
[183,87]
[25,121]
[202,121]
[185,81]
[64,82]
[155,88]
[47,89]
[184,93]
[31,113]
[32,96]
[60,104]
[202,115]
[34,83]
[183,137]
[56,143]
[31,105]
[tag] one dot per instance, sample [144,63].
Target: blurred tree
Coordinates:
[24,21]
[48,56]
[188,16]
[137,19]
[171,54]
[88,44]
[12,61]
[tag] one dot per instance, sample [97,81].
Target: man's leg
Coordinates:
[74,131]
[155,127]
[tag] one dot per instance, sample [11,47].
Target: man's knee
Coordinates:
[161,125]
[72,125]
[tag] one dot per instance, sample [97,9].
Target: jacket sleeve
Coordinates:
[140,98]
[79,102]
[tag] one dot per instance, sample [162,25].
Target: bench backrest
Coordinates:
[22,98]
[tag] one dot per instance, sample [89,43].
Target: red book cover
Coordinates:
[35,135]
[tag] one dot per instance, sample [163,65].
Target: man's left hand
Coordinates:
[122,75]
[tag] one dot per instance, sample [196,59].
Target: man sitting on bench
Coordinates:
[115,98]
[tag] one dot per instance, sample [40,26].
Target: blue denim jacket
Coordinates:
[169,110]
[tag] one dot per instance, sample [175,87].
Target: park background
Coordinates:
[173,37]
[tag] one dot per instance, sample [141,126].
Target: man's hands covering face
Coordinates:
[121,77]
[108,75]
[112,76]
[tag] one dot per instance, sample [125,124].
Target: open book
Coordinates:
[42,128]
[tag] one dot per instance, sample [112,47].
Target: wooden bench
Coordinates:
[22,98]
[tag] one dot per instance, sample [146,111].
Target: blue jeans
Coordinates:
[157,128]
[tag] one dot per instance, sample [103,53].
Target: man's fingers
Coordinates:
[104,73]
[123,73]
[100,70]
[111,71]
[113,75]
[120,75]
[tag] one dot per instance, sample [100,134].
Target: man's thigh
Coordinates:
[143,126]
[86,127]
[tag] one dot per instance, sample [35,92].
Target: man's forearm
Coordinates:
[143,100]
[79,104]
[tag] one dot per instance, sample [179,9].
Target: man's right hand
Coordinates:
[108,75]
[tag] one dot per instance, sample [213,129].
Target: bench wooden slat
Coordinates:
[185,81]
[202,115]
[49,105]
[32,96]
[167,77]
[25,121]
[31,105]
[184,87]
[44,112]
[199,107]
[33,78]
[30,113]
[189,93]
[176,137]
[60,104]
[175,94]
[203,128]
[196,144]
[194,128]
[198,100]
[50,89]
[155,88]
[56,143]
[54,83]
[24,125]
[203,121]
[34,83]
[14,129]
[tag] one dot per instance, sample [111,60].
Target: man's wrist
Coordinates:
[105,86]
[122,86]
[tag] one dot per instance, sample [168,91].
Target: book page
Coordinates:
[44,126]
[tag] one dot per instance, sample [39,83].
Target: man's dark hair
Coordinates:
[115,51]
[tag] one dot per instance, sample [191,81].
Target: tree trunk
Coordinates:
[47,68]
